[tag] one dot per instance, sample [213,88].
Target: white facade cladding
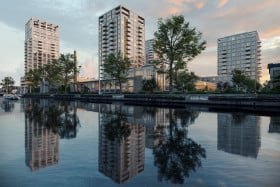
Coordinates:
[41,44]
[122,30]
[240,51]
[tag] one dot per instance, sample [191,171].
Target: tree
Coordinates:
[242,81]
[34,77]
[149,85]
[223,86]
[266,86]
[58,72]
[238,78]
[276,83]
[185,81]
[176,43]
[117,67]
[7,82]
[68,69]
[52,73]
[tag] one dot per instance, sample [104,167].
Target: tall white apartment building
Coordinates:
[240,51]
[41,45]
[122,30]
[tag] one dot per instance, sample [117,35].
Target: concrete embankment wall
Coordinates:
[251,100]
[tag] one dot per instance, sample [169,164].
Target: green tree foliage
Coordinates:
[185,81]
[7,83]
[34,77]
[176,43]
[224,86]
[58,72]
[266,87]
[149,85]
[67,68]
[243,83]
[117,67]
[52,73]
[276,84]
[238,78]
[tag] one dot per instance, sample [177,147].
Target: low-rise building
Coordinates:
[274,72]
[205,86]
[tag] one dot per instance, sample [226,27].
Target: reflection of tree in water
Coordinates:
[116,127]
[60,117]
[69,122]
[7,105]
[177,155]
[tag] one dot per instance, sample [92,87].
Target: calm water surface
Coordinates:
[60,143]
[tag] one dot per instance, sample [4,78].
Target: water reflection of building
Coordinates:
[239,134]
[274,125]
[41,143]
[123,158]
[7,105]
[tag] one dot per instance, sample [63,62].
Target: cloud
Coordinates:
[173,10]
[89,69]
[272,32]
[176,2]
[196,3]
[222,3]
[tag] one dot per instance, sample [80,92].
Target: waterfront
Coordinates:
[62,143]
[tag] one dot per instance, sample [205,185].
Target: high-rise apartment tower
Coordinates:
[240,51]
[41,44]
[122,30]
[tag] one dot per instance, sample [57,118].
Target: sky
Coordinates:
[78,22]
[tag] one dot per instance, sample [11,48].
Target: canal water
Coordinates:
[62,143]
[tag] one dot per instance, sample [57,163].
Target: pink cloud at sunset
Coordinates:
[88,69]
[222,3]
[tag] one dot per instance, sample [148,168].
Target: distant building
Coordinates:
[274,71]
[217,79]
[134,82]
[122,30]
[151,56]
[149,51]
[240,51]
[41,46]
[203,85]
